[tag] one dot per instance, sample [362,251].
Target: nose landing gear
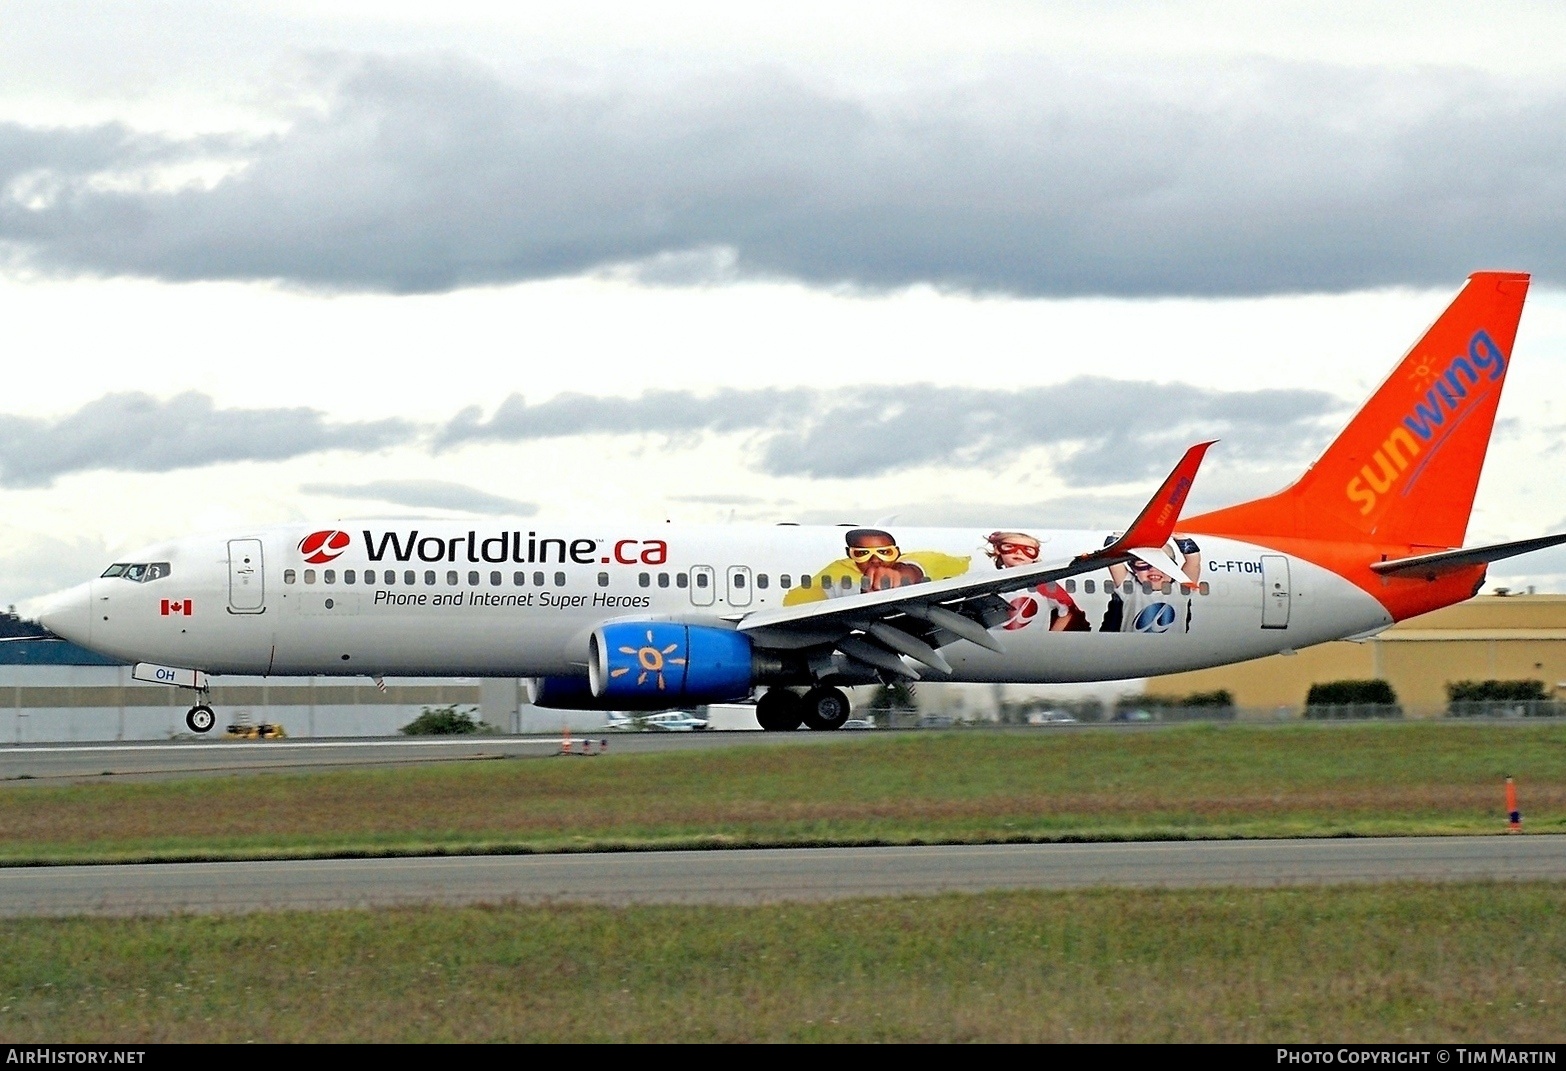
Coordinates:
[200,718]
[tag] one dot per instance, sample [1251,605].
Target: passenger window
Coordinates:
[1147,589]
[538,580]
[739,580]
[348,576]
[409,577]
[1128,587]
[289,576]
[845,582]
[784,581]
[329,575]
[644,580]
[761,581]
[804,580]
[1071,586]
[559,580]
[518,579]
[473,578]
[1089,587]
[1203,588]
[680,580]
[603,580]
[429,577]
[451,578]
[389,577]
[309,576]
[663,580]
[1166,588]
[701,580]
[495,579]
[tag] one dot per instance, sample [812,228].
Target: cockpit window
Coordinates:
[138,572]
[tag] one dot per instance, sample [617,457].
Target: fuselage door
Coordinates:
[1275,591]
[703,587]
[246,577]
[739,585]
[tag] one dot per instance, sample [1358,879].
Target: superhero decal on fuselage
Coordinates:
[1135,597]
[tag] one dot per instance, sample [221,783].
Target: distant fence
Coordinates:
[1351,711]
[1506,708]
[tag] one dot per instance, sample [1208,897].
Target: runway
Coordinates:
[53,762]
[764,876]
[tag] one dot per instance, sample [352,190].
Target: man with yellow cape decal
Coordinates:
[874,562]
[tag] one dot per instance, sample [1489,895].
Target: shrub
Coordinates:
[443,721]
[1220,698]
[1495,691]
[1343,693]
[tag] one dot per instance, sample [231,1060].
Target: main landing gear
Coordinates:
[781,711]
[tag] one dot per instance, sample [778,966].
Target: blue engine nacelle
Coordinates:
[640,663]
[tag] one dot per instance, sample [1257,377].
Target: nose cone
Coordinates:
[68,614]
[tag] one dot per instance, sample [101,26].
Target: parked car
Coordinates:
[675,721]
[858,723]
[1051,717]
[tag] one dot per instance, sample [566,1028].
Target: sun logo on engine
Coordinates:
[650,659]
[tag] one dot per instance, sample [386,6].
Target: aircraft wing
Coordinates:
[876,628]
[1429,566]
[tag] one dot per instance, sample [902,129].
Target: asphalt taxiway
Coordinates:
[763,876]
[52,762]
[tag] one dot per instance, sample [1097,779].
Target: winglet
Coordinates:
[1155,524]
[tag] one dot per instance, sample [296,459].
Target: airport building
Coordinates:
[1492,637]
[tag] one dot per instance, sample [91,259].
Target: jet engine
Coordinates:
[663,663]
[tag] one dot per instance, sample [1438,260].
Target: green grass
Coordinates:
[1192,781]
[1397,963]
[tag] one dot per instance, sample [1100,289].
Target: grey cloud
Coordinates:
[1110,431]
[134,432]
[1249,178]
[433,494]
[1065,511]
[1100,431]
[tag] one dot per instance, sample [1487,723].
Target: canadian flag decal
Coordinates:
[176,606]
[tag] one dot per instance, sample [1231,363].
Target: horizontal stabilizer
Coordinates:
[1430,566]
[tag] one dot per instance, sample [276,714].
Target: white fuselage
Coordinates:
[513,599]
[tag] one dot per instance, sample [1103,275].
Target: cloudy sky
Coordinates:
[958,263]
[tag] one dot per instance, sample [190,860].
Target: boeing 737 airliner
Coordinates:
[658,616]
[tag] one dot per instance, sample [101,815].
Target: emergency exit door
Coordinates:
[1275,591]
[703,589]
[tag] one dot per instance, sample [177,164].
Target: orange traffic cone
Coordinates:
[1513,815]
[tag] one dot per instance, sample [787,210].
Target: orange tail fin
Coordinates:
[1406,467]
